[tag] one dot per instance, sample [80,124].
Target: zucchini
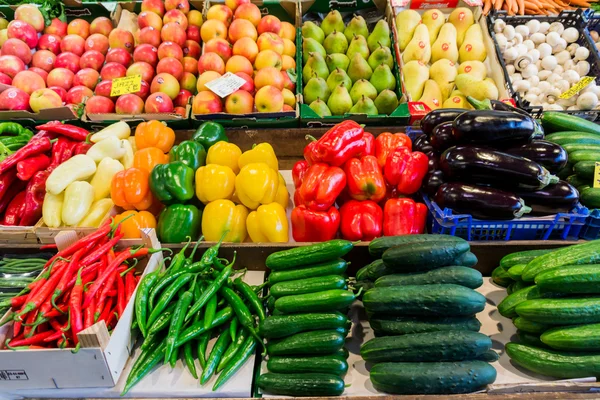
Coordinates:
[333,267]
[565,172]
[586,253]
[318,385]
[553,121]
[575,147]
[427,346]
[423,256]
[463,276]
[521,257]
[530,339]
[307,255]
[573,338]
[424,300]
[314,342]
[279,326]
[489,356]
[585,169]
[500,277]
[404,325]
[319,364]
[432,377]
[590,197]
[467,259]
[561,311]
[574,137]
[571,279]
[516,271]
[554,363]
[308,285]
[378,246]
[328,300]
[577,181]
[584,155]
[507,307]
[528,326]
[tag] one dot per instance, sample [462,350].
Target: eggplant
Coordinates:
[498,169]
[442,138]
[436,117]
[432,181]
[433,164]
[422,144]
[480,202]
[497,105]
[550,155]
[493,128]
[559,198]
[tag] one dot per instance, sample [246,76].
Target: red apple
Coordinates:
[149,35]
[249,85]
[211,62]
[239,102]
[121,39]
[165,83]
[193,33]
[101,25]
[250,12]
[156,6]
[68,60]
[92,59]
[219,46]
[173,32]
[97,42]
[195,18]
[120,56]
[5,79]
[144,90]
[234,4]
[146,53]
[129,104]
[182,98]
[31,14]
[79,27]
[171,66]
[158,103]
[99,105]
[207,103]
[177,17]
[61,77]
[78,94]
[190,65]
[170,49]
[141,68]
[181,5]
[112,71]
[148,19]
[86,77]
[40,72]
[50,42]
[103,89]
[188,81]
[60,91]
[28,82]
[43,99]
[287,81]
[269,23]
[57,27]
[181,111]
[11,65]
[14,99]
[241,28]
[17,48]
[74,44]
[220,12]
[23,31]
[192,49]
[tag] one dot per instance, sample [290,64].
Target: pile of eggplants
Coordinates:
[493,163]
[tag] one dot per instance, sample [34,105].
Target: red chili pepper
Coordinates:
[75,308]
[43,293]
[108,286]
[35,146]
[112,319]
[29,166]
[81,148]
[129,285]
[100,251]
[87,275]
[321,185]
[29,323]
[364,178]
[15,188]
[55,336]
[18,301]
[339,144]
[7,180]
[88,314]
[120,295]
[299,171]
[314,226]
[105,314]
[70,131]
[62,150]
[398,217]
[35,339]
[420,218]
[369,149]
[34,198]
[62,309]
[413,174]
[14,211]
[93,237]
[361,220]
[48,247]
[387,142]
[71,271]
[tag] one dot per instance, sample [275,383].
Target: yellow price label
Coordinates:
[597,175]
[126,85]
[576,88]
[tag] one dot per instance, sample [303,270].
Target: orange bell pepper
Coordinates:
[131,225]
[130,189]
[154,134]
[149,157]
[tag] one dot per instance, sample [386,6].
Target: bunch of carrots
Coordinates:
[88,282]
[534,7]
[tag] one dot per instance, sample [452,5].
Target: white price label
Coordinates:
[226,84]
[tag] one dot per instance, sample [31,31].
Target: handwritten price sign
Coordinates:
[126,85]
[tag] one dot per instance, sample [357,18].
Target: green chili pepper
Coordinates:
[210,290]
[13,128]
[233,326]
[198,328]
[210,310]
[177,322]
[165,281]
[179,258]
[174,356]
[202,344]
[168,295]
[250,295]
[143,366]
[215,357]
[242,312]
[188,356]
[233,349]
[141,300]
[234,365]
[163,321]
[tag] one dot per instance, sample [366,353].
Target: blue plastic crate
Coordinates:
[591,231]
[562,226]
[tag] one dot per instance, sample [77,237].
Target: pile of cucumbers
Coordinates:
[307,326]
[422,309]
[553,301]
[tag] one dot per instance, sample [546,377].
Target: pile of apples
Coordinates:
[261,50]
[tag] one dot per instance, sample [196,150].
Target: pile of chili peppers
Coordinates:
[180,309]
[23,174]
[88,282]
[369,179]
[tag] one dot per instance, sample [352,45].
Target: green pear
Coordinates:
[357,26]
[362,87]
[386,102]
[339,102]
[332,22]
[311,46]
[359,45]
[380,36]
[381,55]
[316,88]
[315,64]
[364,106]
[337,61]
[337,77]
[335,42]
[312,31]
[320,107]
[383,78]
[359,68]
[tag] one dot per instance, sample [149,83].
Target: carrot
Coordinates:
[521,6]
[498,4]
[487,6]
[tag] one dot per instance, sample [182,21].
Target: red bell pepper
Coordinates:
[399,217]
[62,150]
[34,198]
[369,149]
[314,226]
[387,142]
[299,171]
[81,148]
[361,220]
[420,218]
[10,194]
[28,167]
[339,144]
[321,185]
[14,211]
[406,170]
[365,180]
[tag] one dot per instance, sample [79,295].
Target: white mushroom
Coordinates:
[531,98]
[560,46]
[563,57]
[509,32]
[572,108]
[558,70]
[534,80]
[502,42]
[569,64]
[538,38]
[562,85]
[533,25]
[582,53]
[552,79]
[518,39]
[572,47]
[549,63]
[553,107]
[570,35]
[557,27]
[582,68]
[545,50]
[543,75]
[510,54]
[595,36]
[499,25]
[529,44]
[534,54]
[535,91]
[529,71]
[510,69]
[544,26]
[544,87]
[587,101]
[516,78]
[571,76]
[521,50]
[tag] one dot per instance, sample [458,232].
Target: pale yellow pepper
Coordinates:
[214,182]
[221,216]
[107,168]
[282,197]
[127,159]
[79,197]
[256,184]
[79,167]
[268,224]
[52,209]
[120,130]
[262,152]
[224,153]
[97,214]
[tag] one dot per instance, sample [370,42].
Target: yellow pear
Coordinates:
[433,19]
[475,68]
[432,95]
[406,23]
[444,72]
[479,89]
[462,19]
[457,100]
[445,45]
[472,47]
[415,74]
[419,47]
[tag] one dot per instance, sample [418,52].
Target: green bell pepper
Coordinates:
[178,221]
[210,133]
[172,183]
[190,153]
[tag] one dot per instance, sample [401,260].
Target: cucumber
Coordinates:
[319,364]
[500,277]
[573,137]
[378,246]
[314,342]
[565,172]
[427,346]
[577,181]
[307,255]
[585,169]
[554,363]
[529,339]
[365,285]
[333,267]
[328,300]
[342,353]
[561,311]
[516,271]
[378,269]
[423,256]
[271,303]
[467,259]
[362,274]
[507,307]
[521,257]
[308,285]
[590,197]
[518,285]
[432,377]
[405,325]
[528,326]
[279,326]
[553,121]
[489,356]
[586,253]
[424,300]
[463,276]
[584,155]
[572,148]
[318,385]
[571,279]
[510,289]
[573,338]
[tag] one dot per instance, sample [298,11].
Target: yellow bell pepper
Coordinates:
[76,168]
[268,224]
[260,153]
[214,182]
[282,197]
[133,221]
[79,197]
[222,216]
[224,153]
[256,184]
[107,168]
[127,159]
[52,209]
[97,213]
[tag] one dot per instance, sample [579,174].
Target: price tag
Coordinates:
[576,88]
[126,85]
[597,175]
[226,84]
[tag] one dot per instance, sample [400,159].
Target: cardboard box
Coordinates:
[99,362]
[73,9]
[47,235]
[17,235]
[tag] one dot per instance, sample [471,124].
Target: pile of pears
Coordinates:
[443,61]
[348,69]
